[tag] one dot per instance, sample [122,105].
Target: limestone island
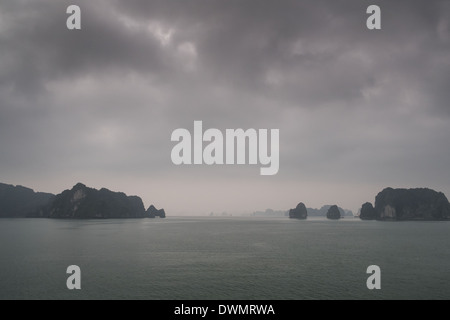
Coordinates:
[407,205]
[332,212]
[81,202]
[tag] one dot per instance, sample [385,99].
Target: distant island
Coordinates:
[295,214]
[81,202]
[300,212]
[418,204]
[21,202]
[333,212]
[407,205]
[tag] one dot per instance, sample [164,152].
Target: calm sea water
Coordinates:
[223,258]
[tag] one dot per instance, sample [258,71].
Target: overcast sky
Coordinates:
[358,110]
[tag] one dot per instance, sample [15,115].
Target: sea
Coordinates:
[224,258]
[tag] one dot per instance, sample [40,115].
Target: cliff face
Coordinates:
[299,212]
[82,202]
[411,204]
[20,202]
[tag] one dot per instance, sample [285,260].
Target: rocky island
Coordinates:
[323,211]
[407,204]
[152,212]
[299,212]
[81,202]
[334,213]
[20,202]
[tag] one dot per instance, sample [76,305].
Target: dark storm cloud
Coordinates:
[39,48]
[293,50]
[309,52]
[358,107]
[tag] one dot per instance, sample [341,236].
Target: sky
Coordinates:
[357,110]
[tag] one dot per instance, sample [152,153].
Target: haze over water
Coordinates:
[223,258]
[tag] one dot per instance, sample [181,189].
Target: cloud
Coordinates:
[356,108]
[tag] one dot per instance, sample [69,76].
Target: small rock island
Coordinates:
[152,212]
[299,212]
[333,213]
